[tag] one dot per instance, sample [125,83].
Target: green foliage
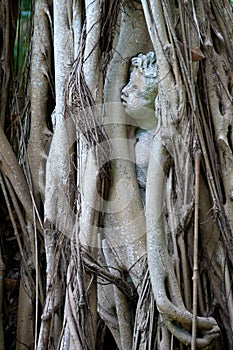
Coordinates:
[22,33]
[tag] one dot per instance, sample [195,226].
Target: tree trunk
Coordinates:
[152,260]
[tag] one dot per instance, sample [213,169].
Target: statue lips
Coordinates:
[123,100]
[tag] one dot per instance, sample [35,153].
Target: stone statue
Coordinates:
[138,98]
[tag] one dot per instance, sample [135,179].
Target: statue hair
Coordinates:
[146,64]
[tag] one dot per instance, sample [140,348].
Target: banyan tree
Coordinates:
[116,174]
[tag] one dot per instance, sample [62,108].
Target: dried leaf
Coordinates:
[197,54]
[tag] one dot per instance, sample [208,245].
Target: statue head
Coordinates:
[139,94]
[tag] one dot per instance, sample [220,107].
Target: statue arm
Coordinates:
[164,283]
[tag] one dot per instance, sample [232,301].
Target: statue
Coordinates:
[138,98]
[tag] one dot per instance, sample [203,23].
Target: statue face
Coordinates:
[138,97]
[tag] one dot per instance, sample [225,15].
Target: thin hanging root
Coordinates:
[195,259]
[80,104]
